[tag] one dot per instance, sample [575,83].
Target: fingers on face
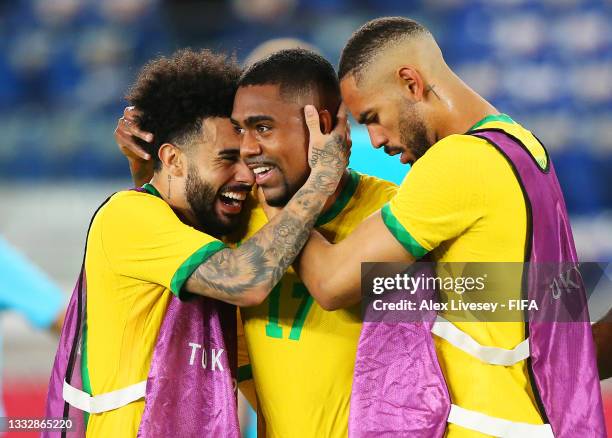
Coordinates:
[312,120]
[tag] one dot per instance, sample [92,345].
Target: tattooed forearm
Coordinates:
[332,155]
[245,275]
[257,265]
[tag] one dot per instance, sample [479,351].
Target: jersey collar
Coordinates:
[492,118]
[150,189]
[343,199]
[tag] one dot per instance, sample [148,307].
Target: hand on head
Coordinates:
[328,153]
[126,134]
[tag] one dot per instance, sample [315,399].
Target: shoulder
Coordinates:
[457,157]
[370,183]
[130,198]
[525,137]
[133,209]
[373,187]
[371,193]
[453,149]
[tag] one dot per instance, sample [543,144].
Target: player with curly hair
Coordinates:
[290,330]
[150,247]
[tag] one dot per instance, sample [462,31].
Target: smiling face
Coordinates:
[393,121]
[217,180]
[274,140]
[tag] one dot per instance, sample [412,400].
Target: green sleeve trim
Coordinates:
[343,199]
[245,372]
[492,118]
[191,264]
[149,188]
[401,234]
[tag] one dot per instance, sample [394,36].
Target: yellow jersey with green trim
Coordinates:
[461,202]
[303,357]
[139,253]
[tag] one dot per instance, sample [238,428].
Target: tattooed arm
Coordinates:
[332,272]
[245,275]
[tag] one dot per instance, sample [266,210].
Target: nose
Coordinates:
[244,175]
[377,137]
[249,146]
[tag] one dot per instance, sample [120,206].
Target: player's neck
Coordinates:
[465,108]
[333,198]
[172,191]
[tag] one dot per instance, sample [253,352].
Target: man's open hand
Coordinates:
[328,154]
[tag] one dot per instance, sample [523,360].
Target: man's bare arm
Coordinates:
[332,272]
[245,275]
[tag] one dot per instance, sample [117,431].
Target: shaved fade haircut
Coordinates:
[297,72]
[367,41]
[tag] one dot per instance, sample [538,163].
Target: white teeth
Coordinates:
[239,196]
[259,170]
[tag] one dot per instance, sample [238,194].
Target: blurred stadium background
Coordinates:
[66,64]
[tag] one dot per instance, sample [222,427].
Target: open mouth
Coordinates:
[262,172]
[232,201]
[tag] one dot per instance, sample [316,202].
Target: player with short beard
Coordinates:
[290,330]
[150,246]
[482,189]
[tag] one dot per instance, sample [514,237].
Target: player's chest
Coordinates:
[290,314]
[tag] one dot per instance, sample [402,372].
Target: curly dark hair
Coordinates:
[174,94]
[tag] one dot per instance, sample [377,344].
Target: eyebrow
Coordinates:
[256,119]
[363,117]
[228,151]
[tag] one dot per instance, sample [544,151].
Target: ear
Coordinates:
[172,158]
[325,120]
[412,82]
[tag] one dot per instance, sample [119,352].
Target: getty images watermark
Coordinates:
[493,292]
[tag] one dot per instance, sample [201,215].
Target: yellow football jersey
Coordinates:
[139,253]
[442,209]
[302,357]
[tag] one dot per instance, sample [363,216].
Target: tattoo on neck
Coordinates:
[431,88]
[169,185]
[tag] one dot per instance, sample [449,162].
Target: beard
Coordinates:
[412,130]
[281,194]
[288,190]
[201,198]
[283,197]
